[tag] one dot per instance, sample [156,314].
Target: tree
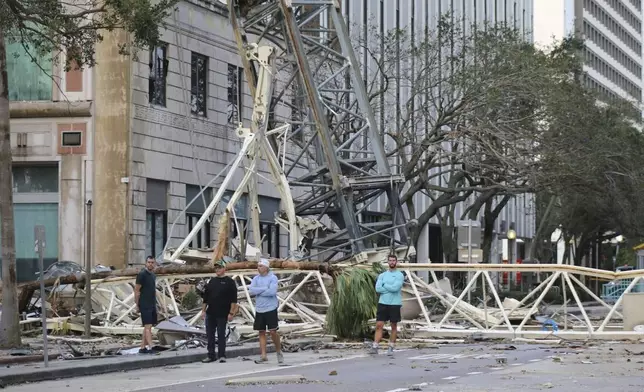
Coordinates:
[596,187]
[57,28]
[467,124]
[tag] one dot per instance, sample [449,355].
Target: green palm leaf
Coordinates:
[354,302]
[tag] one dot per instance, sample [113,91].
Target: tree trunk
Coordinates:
[536,240]
[28,288]
[490,216]
[488,232]
[9,322]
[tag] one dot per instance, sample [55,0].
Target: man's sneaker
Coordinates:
[280,357]
[208,360]
[373,350]
[144,351]
[390,351]
[222,359]
[261,360]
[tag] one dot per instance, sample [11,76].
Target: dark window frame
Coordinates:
[65,143]
[268,246]
[152,239]
[199,84]
[157,81]
[197,242]
[235,94]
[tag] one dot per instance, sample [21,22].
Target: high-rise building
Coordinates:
[612,30]
[414,17]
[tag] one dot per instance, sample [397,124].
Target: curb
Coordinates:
[22,359]
[94,366]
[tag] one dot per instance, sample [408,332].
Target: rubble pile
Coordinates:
[304,296]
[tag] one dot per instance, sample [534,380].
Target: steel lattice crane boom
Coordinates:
[314,128]
[335,159]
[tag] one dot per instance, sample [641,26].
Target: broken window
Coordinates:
[235,77]
[158,74]
[199,84]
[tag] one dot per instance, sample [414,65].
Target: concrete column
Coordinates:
[71,209]
[422,252]
[111,151]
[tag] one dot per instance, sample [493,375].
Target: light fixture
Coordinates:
[512,234]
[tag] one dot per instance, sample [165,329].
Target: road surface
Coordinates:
[450,368]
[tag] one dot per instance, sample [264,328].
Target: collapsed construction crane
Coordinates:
[313,125]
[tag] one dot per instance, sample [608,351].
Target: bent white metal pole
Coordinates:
[581,306]
[215,201]
[497,299]
[527,297]
[593,295]
[460,298]
[538,301]
[617,304]
[443,300]
[295,290]
[417,295]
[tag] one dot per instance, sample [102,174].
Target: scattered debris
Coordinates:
[282,379]
[504,348]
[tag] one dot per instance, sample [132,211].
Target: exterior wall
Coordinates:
[174,149]
[416,15]
[613,33]
[111,153]
[50,179]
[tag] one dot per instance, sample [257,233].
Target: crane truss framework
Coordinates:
[332,154]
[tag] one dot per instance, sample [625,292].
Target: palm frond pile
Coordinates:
[354,302]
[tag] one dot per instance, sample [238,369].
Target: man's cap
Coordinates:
[219,264]
[265,263]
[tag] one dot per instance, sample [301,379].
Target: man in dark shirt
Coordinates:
[219,307]
[145,295]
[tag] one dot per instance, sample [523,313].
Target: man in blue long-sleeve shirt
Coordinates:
[264,288]
[389,286]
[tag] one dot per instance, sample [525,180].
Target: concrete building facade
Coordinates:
[140,136]
[152,129]
[51,137]
[612,30]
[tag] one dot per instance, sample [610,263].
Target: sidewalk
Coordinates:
[65,368]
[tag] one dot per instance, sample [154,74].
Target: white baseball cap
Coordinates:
[265,263]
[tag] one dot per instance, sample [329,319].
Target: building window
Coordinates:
[156,216]
[29,80]
[199,84]
[35,179]
[202,239]
[195,211]
[35,197]
[235,77]
[269,230]
[155,232]
[71,139]
[158,74]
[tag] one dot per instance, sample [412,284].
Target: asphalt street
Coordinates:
[328,370]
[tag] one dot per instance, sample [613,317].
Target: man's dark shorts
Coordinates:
[389,313]
[149,316]
[266,321]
